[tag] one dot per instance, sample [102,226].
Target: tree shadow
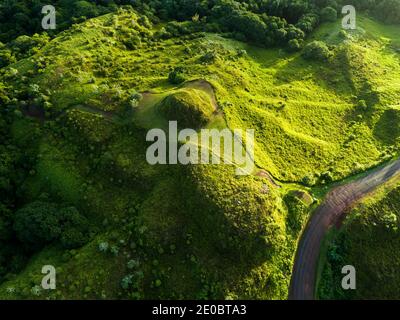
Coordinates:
[387,129]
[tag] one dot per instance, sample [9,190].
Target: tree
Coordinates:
[362,105]
[317,50]
[308,22]
[74,228]
[85,8]
[329,14]
[294,45]
[6,57]
[37,224]
[40,223]
[388,11]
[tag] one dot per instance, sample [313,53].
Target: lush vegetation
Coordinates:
[76,104]
[369,240]
[265,22]
[191,108]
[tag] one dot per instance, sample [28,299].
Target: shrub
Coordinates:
[317,50]
[25,45]
[133,42]
[241,53]
[294,45]
[343,34]
[176,76]
[126,281]
[6,58]
[209,57]
[132,264]
[103,246]
[326,177]
[308,22]
[296,212]
[308,180]
[135,99]
[362,105]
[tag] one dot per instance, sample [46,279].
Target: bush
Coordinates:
[329,14]
[176,76]
[135,99]
[209,57]
[294,45]
[133,42]
[326,177]
[241,53]
[308,180]
[317,50]
[24,46]
[103,246]
[343,34]
[6,58]
[362,105]
[297,212]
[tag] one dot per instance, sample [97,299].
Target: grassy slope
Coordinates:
[166,218]
[301,110]
[369,240]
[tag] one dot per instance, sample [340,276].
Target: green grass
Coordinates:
[304,112]
[198,231]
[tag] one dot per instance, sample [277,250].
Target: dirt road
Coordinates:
[329,213]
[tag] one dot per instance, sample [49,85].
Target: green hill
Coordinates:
[80,107]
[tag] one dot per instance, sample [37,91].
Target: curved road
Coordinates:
[329,213]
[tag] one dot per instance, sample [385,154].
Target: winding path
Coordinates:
[329,213]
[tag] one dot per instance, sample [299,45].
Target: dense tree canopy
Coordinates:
[265,22]
[40,223]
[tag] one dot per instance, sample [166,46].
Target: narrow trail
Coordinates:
[328,214]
